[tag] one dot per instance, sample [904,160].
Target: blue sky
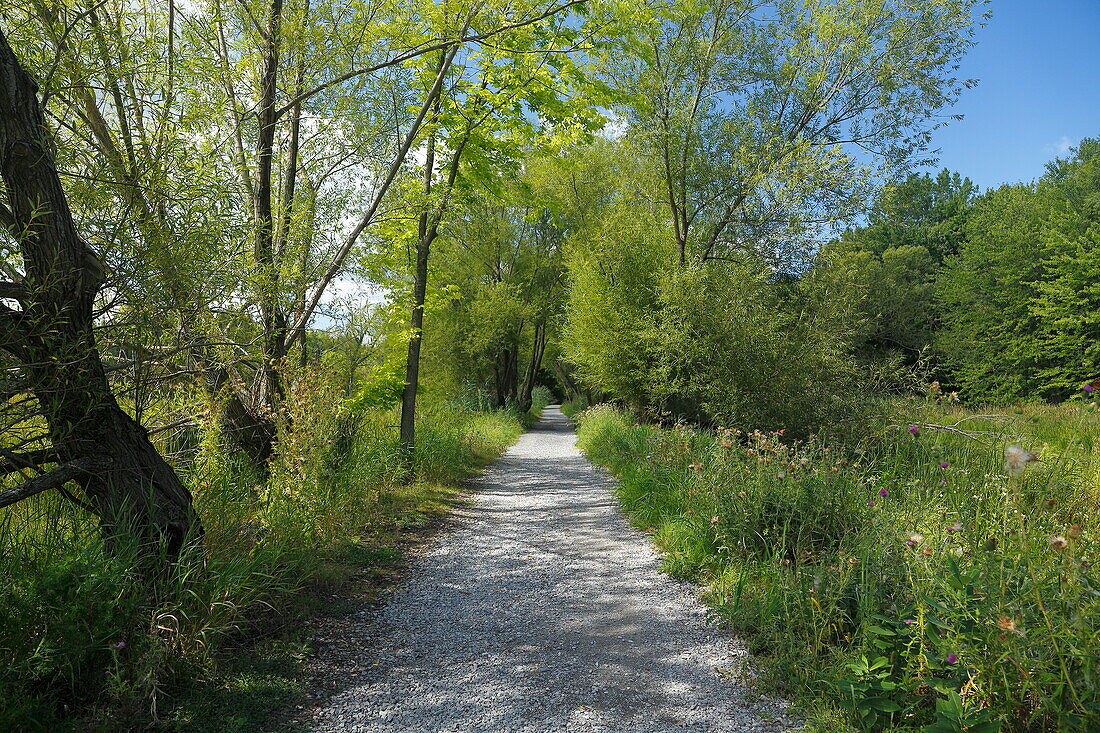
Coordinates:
[1038,66]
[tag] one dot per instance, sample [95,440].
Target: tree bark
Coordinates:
[126,481]
[272,320]
[504,377]
[538,348]
[416,319]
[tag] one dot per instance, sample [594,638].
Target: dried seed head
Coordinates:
[1017,458]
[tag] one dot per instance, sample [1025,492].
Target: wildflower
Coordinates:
[915,539]
[882,491]
[1017,458]
[714,519]
[952,658]
[120,645]
[914,429]
[955,527]
[908,621]
[1006,623]
[926,551]
[1074,531]
[943,464]
[1058,542]
[1088,388]
[870,502]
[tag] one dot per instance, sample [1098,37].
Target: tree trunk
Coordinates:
[533,367]
[425,237]
[428,231]
[412,361]
[504,377]
[126,481]
[272,318]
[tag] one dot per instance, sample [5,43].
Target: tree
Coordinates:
[888,267]
[1020,298]
[768,120]
[486,118]
[502,262]
[92,441]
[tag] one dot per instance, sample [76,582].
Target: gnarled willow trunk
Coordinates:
[95,444]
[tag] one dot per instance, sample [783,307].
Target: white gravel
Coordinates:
[542,610]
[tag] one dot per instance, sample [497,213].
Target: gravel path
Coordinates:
[543,610]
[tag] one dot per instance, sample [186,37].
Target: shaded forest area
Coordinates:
[275,275]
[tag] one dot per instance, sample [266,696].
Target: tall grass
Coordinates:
[83,637]
[906,576]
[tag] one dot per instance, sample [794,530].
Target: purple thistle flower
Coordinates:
[120,645]
[871,502]
[943,464]
[952,658]
[882,491]
[914,429]
[1088,388]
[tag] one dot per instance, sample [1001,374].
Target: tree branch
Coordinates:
[53,480]
[298,328]
[424,49]
[15,291]
[31,459]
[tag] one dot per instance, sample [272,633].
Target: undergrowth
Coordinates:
[215,644]
[918,577]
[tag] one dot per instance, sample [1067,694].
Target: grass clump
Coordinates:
[909,577]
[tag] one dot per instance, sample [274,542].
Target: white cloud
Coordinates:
[1063,146]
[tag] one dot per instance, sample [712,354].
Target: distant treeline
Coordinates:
[997,292]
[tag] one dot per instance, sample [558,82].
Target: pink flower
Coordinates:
[882,491]
[1088,388]
[120,645]
[908,621]
[914,429]
[952,658]
[714,519]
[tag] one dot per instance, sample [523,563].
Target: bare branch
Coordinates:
[53,480]
[29,460]
[424,49]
